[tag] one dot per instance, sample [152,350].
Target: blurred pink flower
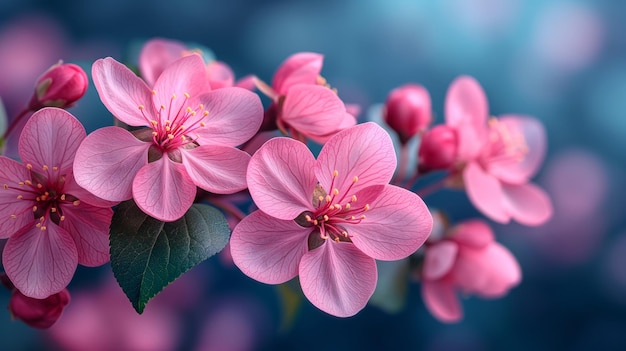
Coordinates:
[102,319]
[498,158]
[158,53]
[52,224]
[190,140]
[466,260]
[312,220]
[303,104]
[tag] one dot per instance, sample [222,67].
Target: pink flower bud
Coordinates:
[60,86]
[38,313]
[437,149]
[408,111]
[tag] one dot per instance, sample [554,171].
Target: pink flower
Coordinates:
[60,86]
[158,53]
[303,104]
[497,158]
[52,224]
[38,313]
[327,220]
[467,260]
[190,140]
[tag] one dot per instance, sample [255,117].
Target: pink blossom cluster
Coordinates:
[181,129]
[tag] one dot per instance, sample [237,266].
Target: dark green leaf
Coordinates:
[147,254]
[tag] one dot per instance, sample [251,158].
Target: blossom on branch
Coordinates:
[328,220]
[51,223]
[189,140]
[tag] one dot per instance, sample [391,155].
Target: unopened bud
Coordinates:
[60,86]
[438,149]
[408,111]
[38,313]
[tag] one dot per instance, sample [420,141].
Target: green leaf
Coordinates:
[147,254]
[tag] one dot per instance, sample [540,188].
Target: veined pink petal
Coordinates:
[281,179]
[474,232]
[485,192]
[534,136]
[220,75]
[300,68]
[347,121]
[235,115]
[364,151]
[395,226]
[107,161]
[51,137]
[268,249]
[163,190]
[40,263]
[12,172]
[215,168]
[466,110]
[156,54]
[439,259]
[527,203]
[313,110]
[72,188]
[122,92]
[89,227]
[441,301]
[187,75]
[338,278]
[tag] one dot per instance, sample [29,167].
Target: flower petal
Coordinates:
[40,263]
[534,136]
[121,91]
[187,75]
[281,179]
[338,278]
[313,110]
[527,203]
[466,110]
[107,161]
[220,75]
[485,192]
[156,54]
[396,224]
[72,188]
[439,259]
[364,151]
[474,232]
[51,137]
[300,68]
[440,299]
[89,227]
[235,115]
[12,172]
[268,249]
[215,168]
[488,272]
[163,190]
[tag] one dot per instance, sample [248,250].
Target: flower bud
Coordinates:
[60,86]
[38,313]
[408,111]
[437,149]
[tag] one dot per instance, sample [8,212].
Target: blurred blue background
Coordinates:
[563,62]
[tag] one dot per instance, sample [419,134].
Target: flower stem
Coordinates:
[403,162]
[432,187]
[15,122]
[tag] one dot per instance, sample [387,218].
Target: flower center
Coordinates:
[173,129]
[45,191]
[332,212]
[505,145]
